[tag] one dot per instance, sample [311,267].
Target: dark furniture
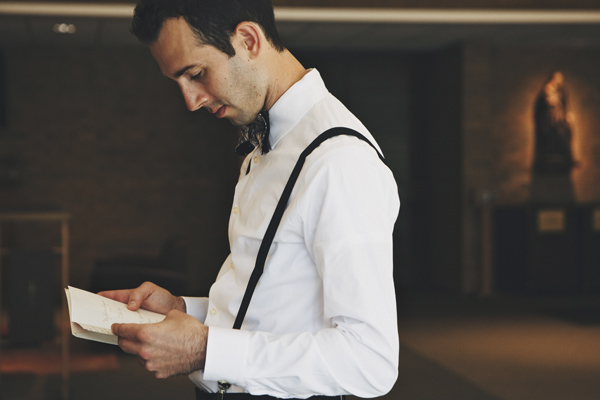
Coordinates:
[167,269]
[547,248]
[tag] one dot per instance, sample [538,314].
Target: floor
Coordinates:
[502,347]
[452,347]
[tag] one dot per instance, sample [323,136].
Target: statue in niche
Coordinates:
[553,153]
[553,160]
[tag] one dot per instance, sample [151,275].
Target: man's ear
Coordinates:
[249,36]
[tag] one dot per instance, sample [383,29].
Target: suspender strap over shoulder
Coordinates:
[263,251]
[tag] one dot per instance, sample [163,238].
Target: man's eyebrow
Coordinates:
[182,71]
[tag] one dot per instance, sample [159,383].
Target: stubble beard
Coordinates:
[249,84]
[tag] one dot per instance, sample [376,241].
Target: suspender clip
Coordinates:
[223,386]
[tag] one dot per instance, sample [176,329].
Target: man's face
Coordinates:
[227,87]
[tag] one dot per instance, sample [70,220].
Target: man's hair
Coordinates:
[213,21]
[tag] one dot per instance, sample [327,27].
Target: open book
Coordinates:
[92,315]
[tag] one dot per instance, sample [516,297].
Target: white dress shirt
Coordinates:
[323,317]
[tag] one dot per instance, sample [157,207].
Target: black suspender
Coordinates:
[278,214]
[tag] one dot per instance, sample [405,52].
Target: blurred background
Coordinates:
[488,114]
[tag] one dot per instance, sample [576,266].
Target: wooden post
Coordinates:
[486,248]
[64,317]
[64,326]
[1,254]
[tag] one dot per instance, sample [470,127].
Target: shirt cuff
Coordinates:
[197,307]
[226,354]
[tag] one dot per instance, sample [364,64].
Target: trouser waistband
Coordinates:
[200,395]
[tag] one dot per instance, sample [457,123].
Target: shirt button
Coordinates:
[232,267]
[236,210]
[255,159]
[213,311]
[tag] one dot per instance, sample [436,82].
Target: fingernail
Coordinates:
[132,303]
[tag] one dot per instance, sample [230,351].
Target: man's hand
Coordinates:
[147,296]
[175,346]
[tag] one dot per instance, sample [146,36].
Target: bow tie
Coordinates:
[255,134]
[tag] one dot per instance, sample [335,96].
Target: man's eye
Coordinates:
[197,76]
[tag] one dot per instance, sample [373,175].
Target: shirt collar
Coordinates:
[294,104]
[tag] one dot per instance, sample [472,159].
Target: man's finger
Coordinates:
[126,331]
[121,296]
[128,340]
[135,299]
[130,346]
[139,295]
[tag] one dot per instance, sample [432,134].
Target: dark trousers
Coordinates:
[200,395]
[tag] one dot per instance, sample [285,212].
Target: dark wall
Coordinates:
[501,87]
[102,134]
[376,88]
[2,90]
[472,140]
[436,166]
[499,93]
[518,76]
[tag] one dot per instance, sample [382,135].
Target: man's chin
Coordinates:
[235,122]
[237,119]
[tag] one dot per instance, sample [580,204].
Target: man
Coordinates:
[322,320]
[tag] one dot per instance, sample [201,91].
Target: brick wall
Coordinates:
[501,86]
[518,77]
[476,138]
[102,134]
[500,91]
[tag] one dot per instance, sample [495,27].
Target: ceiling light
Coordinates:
[65,28]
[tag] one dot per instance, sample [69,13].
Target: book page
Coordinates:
[93,313]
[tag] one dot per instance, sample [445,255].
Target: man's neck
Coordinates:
[285,71]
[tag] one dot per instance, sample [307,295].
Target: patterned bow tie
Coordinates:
[255,134]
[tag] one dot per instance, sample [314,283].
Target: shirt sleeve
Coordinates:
[197,307]
[351,204]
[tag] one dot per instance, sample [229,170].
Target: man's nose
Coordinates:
[194,98]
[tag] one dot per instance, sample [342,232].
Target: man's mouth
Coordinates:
[221,112]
